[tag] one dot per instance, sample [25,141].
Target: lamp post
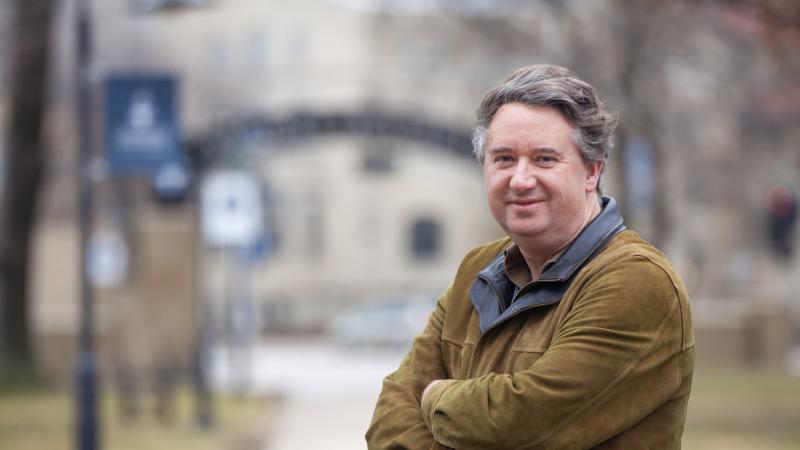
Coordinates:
[86,366]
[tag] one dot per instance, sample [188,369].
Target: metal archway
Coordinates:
[269,131]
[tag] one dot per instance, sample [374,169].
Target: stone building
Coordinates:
[356,216]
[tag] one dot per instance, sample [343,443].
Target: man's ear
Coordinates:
[593,171]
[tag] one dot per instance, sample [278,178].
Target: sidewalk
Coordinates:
[328,393]
[328,422]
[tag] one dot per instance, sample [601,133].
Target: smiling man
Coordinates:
[570,333]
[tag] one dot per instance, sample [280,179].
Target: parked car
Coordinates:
[390,322]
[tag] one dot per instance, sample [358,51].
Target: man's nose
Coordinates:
[523,179]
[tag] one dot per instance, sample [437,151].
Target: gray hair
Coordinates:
[556,87]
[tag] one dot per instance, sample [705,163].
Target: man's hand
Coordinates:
[430,395]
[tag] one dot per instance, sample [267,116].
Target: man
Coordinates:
[572,333]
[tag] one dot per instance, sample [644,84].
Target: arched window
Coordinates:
[426,238]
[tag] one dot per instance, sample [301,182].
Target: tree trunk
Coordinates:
[24,169]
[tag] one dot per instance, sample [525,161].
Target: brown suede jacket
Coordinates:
[596,354]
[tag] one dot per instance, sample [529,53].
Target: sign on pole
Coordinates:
[141,127]
[231,210]
[107,259]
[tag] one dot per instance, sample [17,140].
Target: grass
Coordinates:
[43,419]
[743,410]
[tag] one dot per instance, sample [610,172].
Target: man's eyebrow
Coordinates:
[547,150]
[503,149]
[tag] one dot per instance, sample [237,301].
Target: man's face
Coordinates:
[538,186]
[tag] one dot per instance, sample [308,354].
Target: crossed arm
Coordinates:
[397,422]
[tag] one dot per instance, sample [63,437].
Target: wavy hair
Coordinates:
[556,87]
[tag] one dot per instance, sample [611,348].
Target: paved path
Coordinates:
[329,393]
[328,422]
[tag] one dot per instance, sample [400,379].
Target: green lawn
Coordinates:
[743,410]
[42,419]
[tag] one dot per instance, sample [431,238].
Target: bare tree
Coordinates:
[25,157]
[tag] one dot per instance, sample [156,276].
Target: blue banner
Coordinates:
[141,125]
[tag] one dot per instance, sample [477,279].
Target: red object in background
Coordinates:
[781,205]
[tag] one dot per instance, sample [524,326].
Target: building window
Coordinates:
[315,216]
[378,162]
[258,53]
[426,239]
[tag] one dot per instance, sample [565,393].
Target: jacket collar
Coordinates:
[584,246]
[494,296]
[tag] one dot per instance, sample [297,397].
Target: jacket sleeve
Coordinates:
[397,421]
[613,360]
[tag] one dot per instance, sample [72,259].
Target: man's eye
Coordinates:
[503,159]
[546,159]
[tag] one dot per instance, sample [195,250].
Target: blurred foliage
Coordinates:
[17,378]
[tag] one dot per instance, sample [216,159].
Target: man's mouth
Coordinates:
[525,202]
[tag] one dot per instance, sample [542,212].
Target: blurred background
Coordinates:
[223,221]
